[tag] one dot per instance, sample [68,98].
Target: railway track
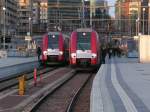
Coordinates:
[63,98]
[33,93]
[81,102]
[13,81]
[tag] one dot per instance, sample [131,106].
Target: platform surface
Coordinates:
[121,85]
[4,62]
[13,66]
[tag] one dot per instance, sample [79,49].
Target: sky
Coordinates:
[112,10]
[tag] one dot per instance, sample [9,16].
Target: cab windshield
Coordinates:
[53,41]
[84,41]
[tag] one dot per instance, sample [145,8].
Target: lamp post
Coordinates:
[29,34]
[143,20]
[4,32]
[29,26]
[137,26]
[139,17]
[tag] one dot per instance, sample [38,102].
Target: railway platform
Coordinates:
[5,62]
[121,85]
[10,101]
[14,65]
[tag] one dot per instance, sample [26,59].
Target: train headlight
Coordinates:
[94,55]
[73,55]
[84,34]
[45,52]
[60,53]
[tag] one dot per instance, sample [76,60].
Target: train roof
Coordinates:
[57,33]
[53,33]
[84,30]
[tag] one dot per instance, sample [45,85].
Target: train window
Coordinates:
[84,41]
[53,41]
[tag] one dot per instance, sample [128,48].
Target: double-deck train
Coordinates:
[55,48]
[84,47]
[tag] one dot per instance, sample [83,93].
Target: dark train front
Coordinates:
[55,48]
[84,48]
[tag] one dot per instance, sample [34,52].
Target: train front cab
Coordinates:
[84,49]
[53,48]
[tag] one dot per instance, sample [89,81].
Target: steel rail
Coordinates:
[57,86]
[34,108]
[74,99]
[11,82]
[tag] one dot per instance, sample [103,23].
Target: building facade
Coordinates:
[64,15]
[134,10]
[8,19]
[145,17]
[43,16]
[127,14]
[68,15]
[24,24]
[36,17]
[122,15]
[39,16]
[101,16]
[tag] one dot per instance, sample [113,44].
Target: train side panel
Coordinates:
[73,44]
[61,48]
[44,48]
[94,48]
[66,50]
